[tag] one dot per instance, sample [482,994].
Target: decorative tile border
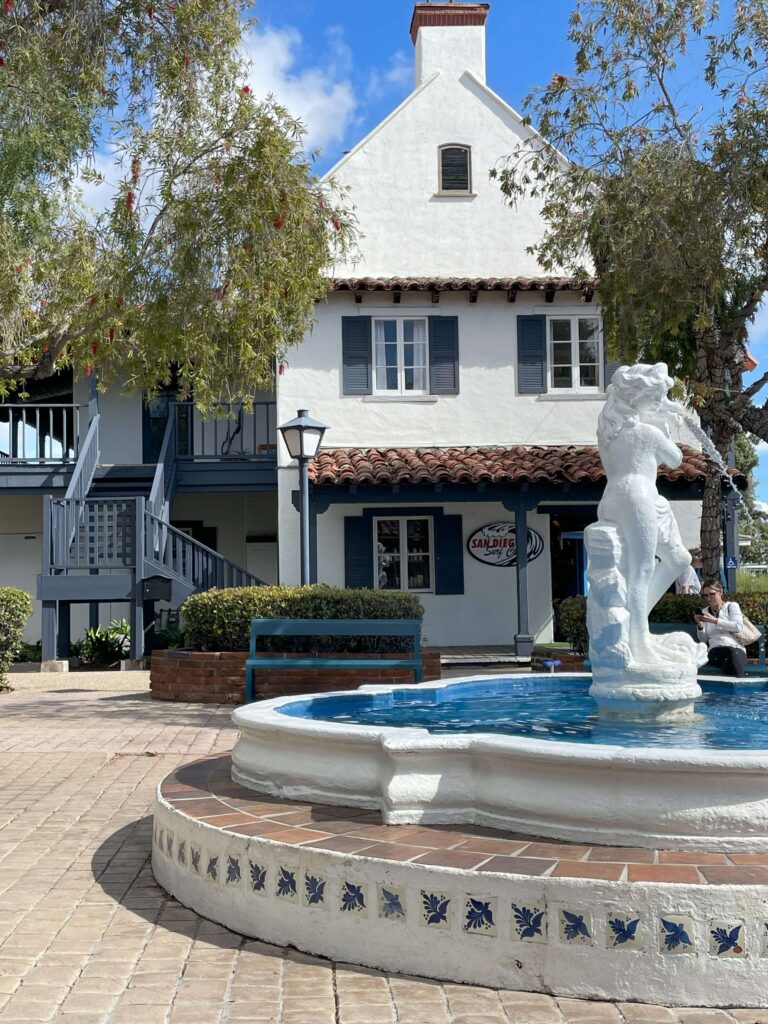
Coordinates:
[477,917]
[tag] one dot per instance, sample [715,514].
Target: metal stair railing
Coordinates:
[187,560]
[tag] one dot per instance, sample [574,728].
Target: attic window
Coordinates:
[455,170]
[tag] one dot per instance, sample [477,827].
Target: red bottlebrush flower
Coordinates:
[95,348]
[281,369]
[135,168]
[19,268]
[559,79]
[186,60]
[42,302]
[8,6]
[111,333]
[336,223]
[94,300]
[150,11]
[217,178]
[2,62]
[246,90]
[130,201]
[88,371]
[279,222]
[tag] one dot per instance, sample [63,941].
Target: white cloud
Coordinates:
[321,98]
[761,447]
[397,76]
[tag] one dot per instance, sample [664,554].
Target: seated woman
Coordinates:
[716,626]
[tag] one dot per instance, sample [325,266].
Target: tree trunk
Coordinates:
[711,523]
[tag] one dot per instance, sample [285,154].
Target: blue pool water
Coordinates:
[728,717]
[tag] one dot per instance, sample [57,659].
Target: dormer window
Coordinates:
[455,170]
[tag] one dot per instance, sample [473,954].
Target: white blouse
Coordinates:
[720,633]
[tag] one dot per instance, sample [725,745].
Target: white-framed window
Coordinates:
[575,353]
[400,356]
[455,170]
[403,553]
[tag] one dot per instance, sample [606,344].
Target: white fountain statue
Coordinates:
[635,554]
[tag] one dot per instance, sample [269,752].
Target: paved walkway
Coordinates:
[87,937]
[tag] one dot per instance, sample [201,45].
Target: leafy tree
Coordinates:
[217,241]
[664,195]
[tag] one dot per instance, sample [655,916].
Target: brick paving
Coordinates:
[87,937]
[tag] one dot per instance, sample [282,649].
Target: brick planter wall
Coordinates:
[218,677]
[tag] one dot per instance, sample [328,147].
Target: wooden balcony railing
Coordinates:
[39,435]
[240,434]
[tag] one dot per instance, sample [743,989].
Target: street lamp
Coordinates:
[302,438]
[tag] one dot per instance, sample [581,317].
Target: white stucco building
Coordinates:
[461,389]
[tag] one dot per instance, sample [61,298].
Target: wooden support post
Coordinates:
[65,629]
[49,631]
[523,638]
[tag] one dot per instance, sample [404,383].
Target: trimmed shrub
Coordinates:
[15,610]
[572,614]
[220,620]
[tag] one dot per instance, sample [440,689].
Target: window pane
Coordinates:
[417,539]
[561,376]
[588,352]
[588,328]
[391,378]
[385,336]
[417,533]
[419,379]
[588,376]
[561,354]
[560,330]
[454,169]
[388,554]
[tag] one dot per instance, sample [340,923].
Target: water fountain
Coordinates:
[652,794]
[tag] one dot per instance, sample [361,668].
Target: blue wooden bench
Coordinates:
[331,627]
[759,669]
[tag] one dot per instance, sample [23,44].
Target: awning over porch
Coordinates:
[519,464]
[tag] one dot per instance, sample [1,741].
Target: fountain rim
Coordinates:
[269,715]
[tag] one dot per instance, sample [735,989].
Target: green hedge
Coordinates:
[15,610]
[571,614]
[220,620]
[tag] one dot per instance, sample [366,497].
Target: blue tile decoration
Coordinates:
[286,884]
[314,890]
[676,933]
[529,924]
[257,875]
[352,898]
[169,843]
[480,916]
[576,927]
[435,909]
[726,939]
[212,868]
[181,851]
[391,903]
[233,876]
[622,931]
[195,858]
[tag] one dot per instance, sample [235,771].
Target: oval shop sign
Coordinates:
[495,544]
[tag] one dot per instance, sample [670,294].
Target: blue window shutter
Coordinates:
[358,552]
[356,348]
[449,555]
[531,355]
[444,355]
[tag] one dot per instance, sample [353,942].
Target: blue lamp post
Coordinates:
[302,438]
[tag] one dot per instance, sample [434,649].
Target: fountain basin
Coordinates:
[696,798]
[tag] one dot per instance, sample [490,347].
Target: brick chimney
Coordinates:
[449,37]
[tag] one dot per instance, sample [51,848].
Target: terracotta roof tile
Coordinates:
[442,284]
[519,464]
